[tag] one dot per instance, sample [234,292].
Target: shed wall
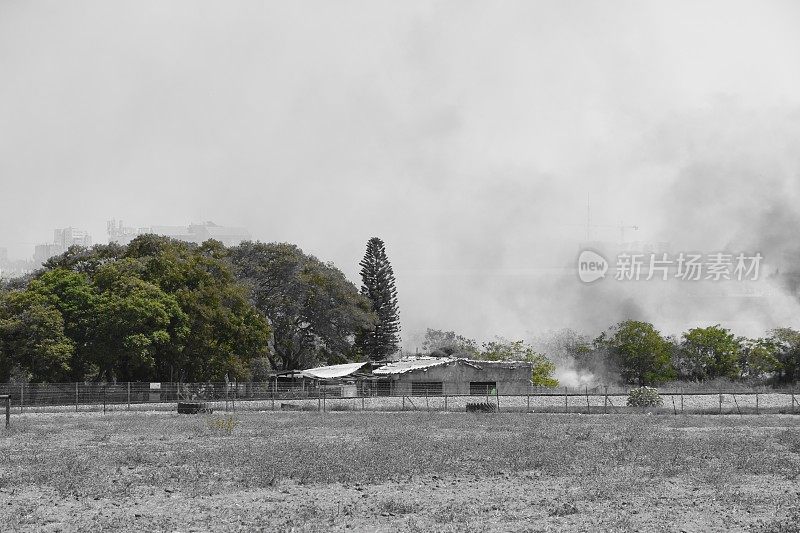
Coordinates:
[456,378]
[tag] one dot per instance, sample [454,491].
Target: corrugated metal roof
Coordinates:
[407,365]
[333,371]
[421,363]
[501,364]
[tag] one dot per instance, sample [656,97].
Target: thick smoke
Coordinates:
[468,136]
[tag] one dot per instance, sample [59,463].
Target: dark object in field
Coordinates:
[481,407]
[290,407]
[565,509]
[193,408]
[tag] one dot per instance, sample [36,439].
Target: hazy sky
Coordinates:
[467,135]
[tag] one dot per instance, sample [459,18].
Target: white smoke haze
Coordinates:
[569,377]
[466,135]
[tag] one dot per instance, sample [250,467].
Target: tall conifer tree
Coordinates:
[378,285]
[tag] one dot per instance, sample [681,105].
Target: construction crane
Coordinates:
[588,225]
[621,227]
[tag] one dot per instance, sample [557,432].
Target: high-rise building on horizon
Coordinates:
[63,238]
[196,232]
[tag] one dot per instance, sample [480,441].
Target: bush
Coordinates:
[224,424]
[644,397]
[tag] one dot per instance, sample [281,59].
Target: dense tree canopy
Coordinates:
[639,352]
[758,358]
[708,353]
[313,309]
[32,338]
[787,352]
[157,309]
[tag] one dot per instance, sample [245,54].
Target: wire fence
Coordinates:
[6,400]
[366,396]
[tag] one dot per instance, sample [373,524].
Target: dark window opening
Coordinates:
[482,388]
[383,388]
[426,388]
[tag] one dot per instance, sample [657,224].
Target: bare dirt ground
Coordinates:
[346,471]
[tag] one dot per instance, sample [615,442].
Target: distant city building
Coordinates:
[12,268]
[15,268]
[195,233]
[62,239]
[121,234]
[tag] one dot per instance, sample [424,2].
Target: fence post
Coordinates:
[497,396]
[681,400]
[129,396]
[737,405]
[566,406]
[8,410]
[792,401]
[22,398]
[428,407]
[104,399]
[529,401]
[605,401]
[323,400]
[720,402]
[445,403]
[76,396]
[588,408]
[757,402]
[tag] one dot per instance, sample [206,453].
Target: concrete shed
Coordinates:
[433,376]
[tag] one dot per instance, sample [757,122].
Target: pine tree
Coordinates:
[378,285]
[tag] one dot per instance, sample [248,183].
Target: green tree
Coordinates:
[449,343]
[313,310]
[378,285]
[154,310]
[503,350]
[85,260]
[758,358]
[75,297]
[32,338]
[787,342]
[639,352]
[225,330]
[135,325]
[708,353]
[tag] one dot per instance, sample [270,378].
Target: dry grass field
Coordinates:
[401,471]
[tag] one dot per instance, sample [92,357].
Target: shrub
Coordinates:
[644,397]
[225,424]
